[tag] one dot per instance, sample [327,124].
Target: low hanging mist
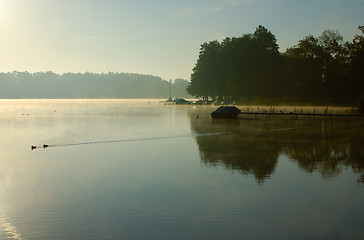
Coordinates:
[88,85]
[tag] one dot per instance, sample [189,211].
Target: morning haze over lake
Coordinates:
[139,169]
[117,119]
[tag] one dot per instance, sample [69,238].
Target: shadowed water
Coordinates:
[139,169]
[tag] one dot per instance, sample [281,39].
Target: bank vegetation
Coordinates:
[323,70]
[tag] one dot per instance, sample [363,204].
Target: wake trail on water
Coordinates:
[44,146]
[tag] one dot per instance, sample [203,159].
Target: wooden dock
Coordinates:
[233,112]
[300,114]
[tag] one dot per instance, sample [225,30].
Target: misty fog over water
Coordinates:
[139,169]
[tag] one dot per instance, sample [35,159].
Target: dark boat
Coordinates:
[182,101]
[226,112]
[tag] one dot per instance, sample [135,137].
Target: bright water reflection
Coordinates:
[266,179]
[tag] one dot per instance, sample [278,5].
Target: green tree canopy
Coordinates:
[318,70]
[236,66]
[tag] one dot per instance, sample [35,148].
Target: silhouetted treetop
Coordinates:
[266,39]
[361,28]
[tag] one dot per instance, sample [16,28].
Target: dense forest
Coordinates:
[250,68]
[88,85]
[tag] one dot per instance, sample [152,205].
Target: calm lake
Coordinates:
[139,169]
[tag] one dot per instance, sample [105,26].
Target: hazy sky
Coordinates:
[157,37]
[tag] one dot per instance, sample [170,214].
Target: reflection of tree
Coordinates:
[356,152]
[326,146]
[243,149]
[253,146]
[237,153]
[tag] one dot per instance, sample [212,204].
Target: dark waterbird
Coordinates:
[35,147]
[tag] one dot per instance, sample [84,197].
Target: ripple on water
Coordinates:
[8,230]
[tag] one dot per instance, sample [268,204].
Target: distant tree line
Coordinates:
[88,85]
[318,70]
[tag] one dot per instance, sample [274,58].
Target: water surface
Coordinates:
[139,169]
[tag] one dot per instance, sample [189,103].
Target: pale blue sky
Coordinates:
[157,37]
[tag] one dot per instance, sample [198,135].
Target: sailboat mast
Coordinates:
[170,82]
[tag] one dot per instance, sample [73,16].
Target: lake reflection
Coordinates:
[323,145]
[139,169]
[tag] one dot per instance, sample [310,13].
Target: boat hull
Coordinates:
[226,112]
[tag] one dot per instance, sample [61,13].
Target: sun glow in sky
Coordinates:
[160,37]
